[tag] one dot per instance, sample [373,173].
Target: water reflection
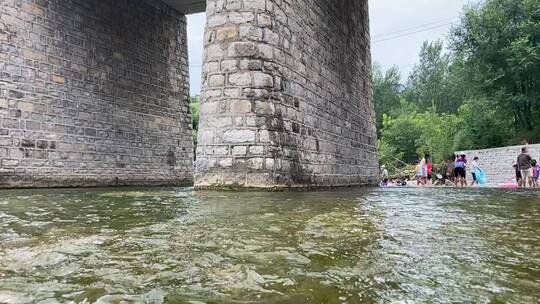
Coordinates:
[348,246]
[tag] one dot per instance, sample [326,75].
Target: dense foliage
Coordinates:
[195,108]
[484,92]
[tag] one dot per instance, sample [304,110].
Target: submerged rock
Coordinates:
[10,297]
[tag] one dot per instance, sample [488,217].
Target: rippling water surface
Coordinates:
[347,246]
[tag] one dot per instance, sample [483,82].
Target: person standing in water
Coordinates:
[536,173]
[475,170]
[384,176]
[460,172]
[524,163]
[518,173]
[429,168]
[423,169]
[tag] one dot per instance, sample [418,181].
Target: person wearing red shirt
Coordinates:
[429,168]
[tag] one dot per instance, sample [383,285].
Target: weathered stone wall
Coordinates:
[498,162]
[93,93]
[287,95]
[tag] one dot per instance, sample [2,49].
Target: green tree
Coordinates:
[195,108]
[427,82]
[499,41]
[386,91]
[481,126]
[400,139]
[411,135]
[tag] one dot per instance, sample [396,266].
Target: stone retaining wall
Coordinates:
[498,162]
[287,95]
[93,93]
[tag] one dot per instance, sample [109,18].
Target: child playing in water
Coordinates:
[422,170]
[419,175]
[459,170]
[536,173]
[429,168]
[384,176]
[518,173]
[475,170]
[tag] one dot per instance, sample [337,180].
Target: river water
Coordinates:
[347,246]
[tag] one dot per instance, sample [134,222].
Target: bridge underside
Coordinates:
[95,93]
[187,6]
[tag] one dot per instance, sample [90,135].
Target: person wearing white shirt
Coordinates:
[475,170]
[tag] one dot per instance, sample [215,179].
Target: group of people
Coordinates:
[424,175]
[527,172]
[460,171]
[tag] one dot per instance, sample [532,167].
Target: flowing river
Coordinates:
[344,246]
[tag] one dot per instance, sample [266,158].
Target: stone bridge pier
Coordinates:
[95,93]
[287,95]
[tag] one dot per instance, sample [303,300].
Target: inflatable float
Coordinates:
[510,184]
[481,177]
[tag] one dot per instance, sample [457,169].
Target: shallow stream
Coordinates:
[347,246]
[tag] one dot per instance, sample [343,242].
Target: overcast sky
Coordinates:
[397,31]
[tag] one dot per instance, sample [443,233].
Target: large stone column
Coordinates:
[93,93]
[287,95]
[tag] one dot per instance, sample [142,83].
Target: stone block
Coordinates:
[242,49]
[234,92]
[239,150]
[33,9]
[229,65]
[262,80]
[25,106]
[255,5]
[209,107]
[240,79]
[270,37]
[239,121]
[264,20]
[216,20]
[5,141]
[214,52]
[33,125]
[264,107]
[221,150]
[264,136]
[219,122]
[216,81]
[58,79]
[241,17]
[239,136]
[227,33]
[226,163]
[240,106]
[266,51]
[250,64]
[251,32]
[256,163]
[34,55]
[256,150]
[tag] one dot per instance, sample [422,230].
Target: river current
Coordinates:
[344,246]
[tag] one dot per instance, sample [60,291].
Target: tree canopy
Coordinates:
[481,92]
